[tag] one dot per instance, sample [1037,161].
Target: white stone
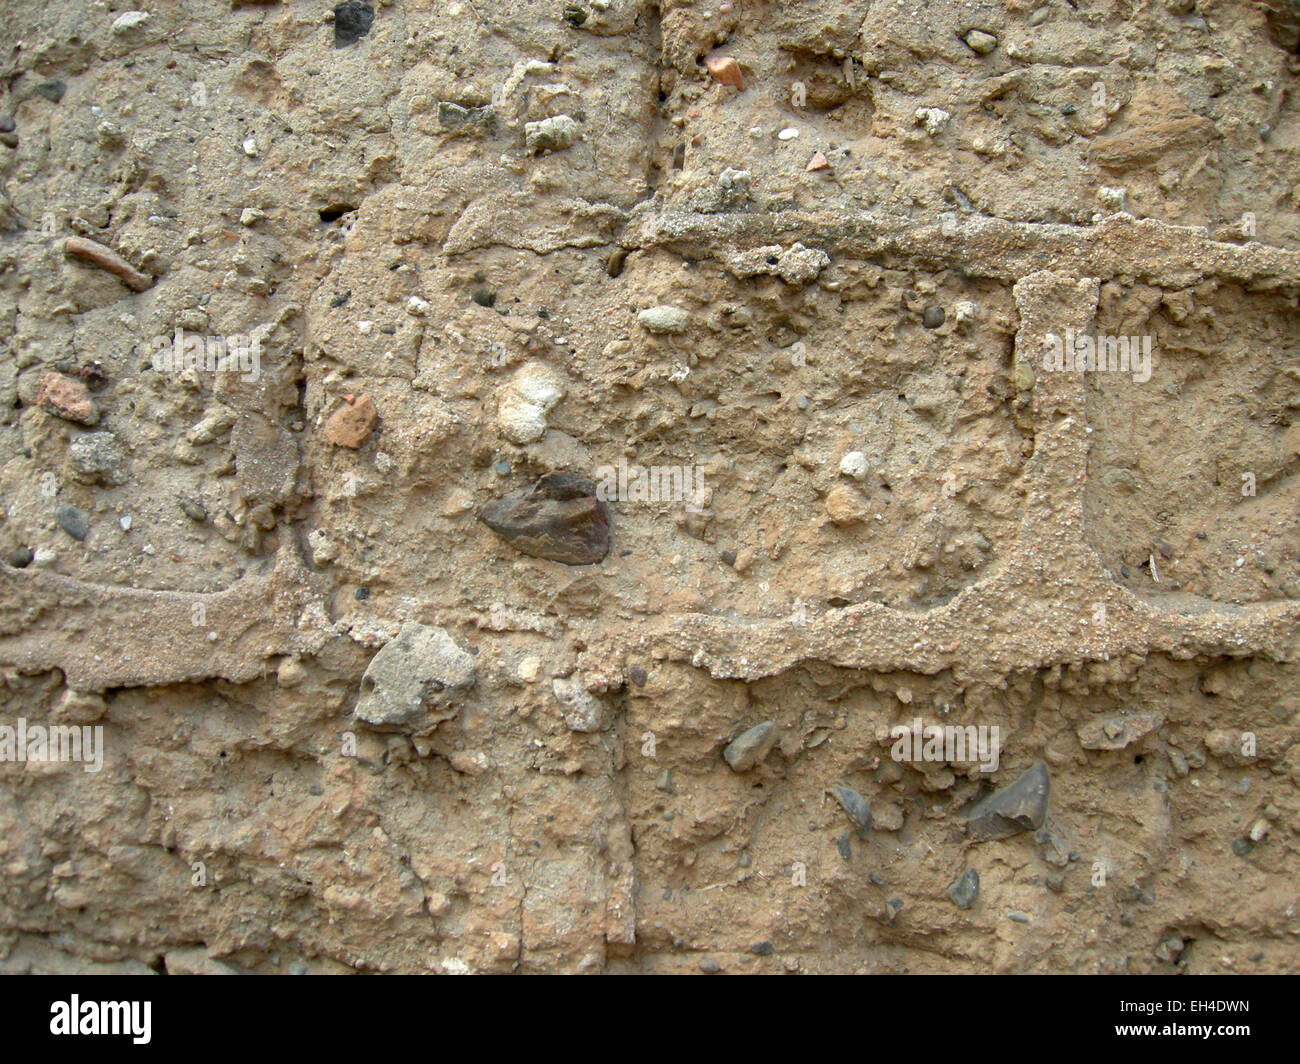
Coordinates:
[581,711]
[664,319]
[525,402]
[129,20]
[935,119]
[855,465]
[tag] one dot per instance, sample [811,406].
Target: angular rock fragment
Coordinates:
[1115,733]
[350,424]
[98,457]
[559,518]
[856,806]
[581,710]
[452,116]
[66,398]
[965,889]
[352,21]
[750,747]
[1020,806]
[415,679]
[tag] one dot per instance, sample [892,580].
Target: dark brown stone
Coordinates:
[559,518]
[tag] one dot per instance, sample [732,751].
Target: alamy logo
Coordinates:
[102,1017]
[1082,353]
[215,354]
[947,743]
[58,742]
[653,484]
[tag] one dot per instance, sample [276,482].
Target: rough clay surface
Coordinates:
[458,212]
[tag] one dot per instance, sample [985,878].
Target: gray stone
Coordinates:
[750,747]
[98,457]
[74,522]
[965,889]
[856,806]
[415,680]
[1020,806]
[470,119]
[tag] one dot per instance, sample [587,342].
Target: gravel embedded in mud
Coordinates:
[632,487]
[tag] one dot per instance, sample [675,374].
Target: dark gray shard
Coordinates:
[1020,806]
[750,747]
[352,21]
[856,806]
[965,889]
[559,518]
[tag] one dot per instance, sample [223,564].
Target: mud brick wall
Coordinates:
[325,331]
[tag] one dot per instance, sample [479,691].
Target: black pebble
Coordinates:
[933,316]
[637,675]
[484,297]
[761,949]
[352,21]
[361,594]
[20,558]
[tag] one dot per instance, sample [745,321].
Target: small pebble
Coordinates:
[44,556]
[981,42]
[1018,917]
[74,522]
[20,558]
[709,966]
[725,71]
[637,675]
[933,316]
[855,465]
[789,133]
[193,510]
[761,949]
[361,594]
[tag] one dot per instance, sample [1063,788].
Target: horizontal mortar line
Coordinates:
[171,649]
[909,645]
[1120,245]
